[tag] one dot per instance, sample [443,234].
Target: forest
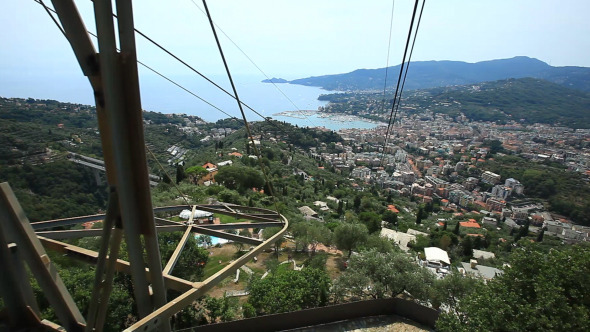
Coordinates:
[525,100]
[360,265]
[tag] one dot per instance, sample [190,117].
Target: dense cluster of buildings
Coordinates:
[439,158]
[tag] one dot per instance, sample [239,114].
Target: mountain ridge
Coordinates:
[441,73]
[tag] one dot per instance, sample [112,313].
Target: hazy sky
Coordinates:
[294,39]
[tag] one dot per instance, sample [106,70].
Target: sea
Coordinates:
[282,101]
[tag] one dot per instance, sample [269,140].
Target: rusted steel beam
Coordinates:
[17,229]
[91,257]
[163,314]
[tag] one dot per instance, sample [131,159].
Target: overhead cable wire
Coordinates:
[194,70]
[168,175]
[50,11]
[255,65]
[269,185]
[387,62]
[200,74]
[287,130]
[409,60]
[399,80]
[47,9]
[205,77]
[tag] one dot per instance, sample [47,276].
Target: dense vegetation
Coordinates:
[525,100]
[540,292]
[351,223]
[55,190]
[566,192]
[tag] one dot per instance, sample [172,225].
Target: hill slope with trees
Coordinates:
[526,100]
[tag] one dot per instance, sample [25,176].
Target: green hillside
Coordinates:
[526,100]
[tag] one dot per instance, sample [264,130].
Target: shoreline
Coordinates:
[330,116]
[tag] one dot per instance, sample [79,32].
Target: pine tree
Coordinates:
[456,230]
[180,175]
[540,236]
[340,207]
[419,215]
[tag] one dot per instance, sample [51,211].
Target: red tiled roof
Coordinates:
[469,224]
[392,208]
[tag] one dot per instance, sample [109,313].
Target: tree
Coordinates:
[420,214]
[372,220]
[340,207]
[494,145]
[224,308]
[267,233]
[375,275]
[448,290]
[192,260]
[390,217]
[456,230]
[541,291]
[180,175]
[78,282]
[540,236]
[311,233]
[357,202]
[289,290]
[467,246]
[381,244]
[239,178]
[196,172]
[348,236]
[419,243]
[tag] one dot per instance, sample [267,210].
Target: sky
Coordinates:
[296,39]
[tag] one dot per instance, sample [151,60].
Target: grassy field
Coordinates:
[229,219]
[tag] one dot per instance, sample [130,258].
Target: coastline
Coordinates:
[329,116]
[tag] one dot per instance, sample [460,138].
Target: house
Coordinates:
[480,271]
[308,212]
[235,154]
[436,257]
[322,205]
[415,232]
[481,254]
[489,221]
[511,223]
[392,208]
[224,163]
[210,167]
[401,239]
[470,224]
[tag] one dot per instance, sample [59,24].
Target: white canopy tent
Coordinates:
[186,214]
